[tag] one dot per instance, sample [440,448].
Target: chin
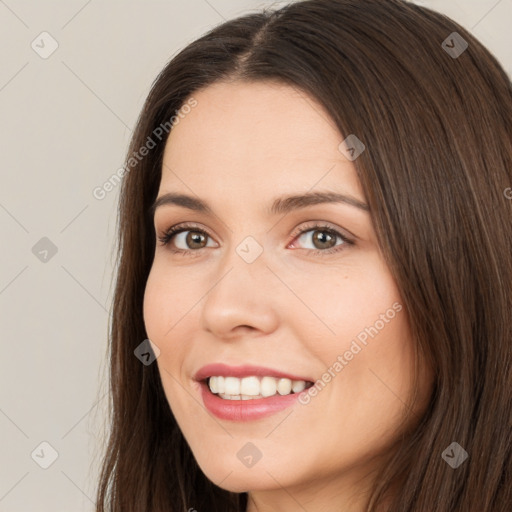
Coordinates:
[240,479]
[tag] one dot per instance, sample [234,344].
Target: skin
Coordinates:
[292,309]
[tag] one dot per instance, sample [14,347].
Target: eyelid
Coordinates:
[322,224]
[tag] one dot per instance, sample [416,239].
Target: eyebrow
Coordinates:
[281,205]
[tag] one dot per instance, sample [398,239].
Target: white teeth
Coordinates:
[284,386]
[268,386]
[247,388]
[298,386]
[214,388]
[217,384]
[230,397]
[231,386]
[250,386]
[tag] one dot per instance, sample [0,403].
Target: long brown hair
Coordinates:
[436,174]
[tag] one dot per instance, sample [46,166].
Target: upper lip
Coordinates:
[219,369]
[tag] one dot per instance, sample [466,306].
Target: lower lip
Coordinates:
[245,410]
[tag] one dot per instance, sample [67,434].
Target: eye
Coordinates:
[323,238]
[191,238]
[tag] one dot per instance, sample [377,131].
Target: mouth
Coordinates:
[244,393]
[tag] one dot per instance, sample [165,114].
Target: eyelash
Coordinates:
[179,228]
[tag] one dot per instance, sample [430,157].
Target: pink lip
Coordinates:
[244,410]
[224,370]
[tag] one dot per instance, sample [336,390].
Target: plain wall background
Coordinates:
[66,123]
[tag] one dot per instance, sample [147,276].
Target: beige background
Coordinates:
[66,122]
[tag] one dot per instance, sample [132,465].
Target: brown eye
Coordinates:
[323,239]
[195,240]
[320,238]
[186,239]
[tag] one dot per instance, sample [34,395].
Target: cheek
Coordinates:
[162,311]
[369,349]
[354,303]
[166,300]
[170,313]
[154,306]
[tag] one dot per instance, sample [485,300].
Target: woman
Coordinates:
[315,235]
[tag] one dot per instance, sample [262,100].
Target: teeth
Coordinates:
[247,388]
[231,386]
[230,397]
[284,386]
[250,386]
[217,384]
[298,386]
[268,386]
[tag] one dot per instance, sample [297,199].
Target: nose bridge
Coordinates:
[239,295]
[248,258]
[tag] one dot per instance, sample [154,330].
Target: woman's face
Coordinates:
[283,292]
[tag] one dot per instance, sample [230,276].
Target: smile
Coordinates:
[247,393]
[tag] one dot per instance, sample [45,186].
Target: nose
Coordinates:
[242,300]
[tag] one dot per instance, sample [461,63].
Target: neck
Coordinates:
[349,494]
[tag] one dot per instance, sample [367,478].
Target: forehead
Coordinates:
[256,136]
